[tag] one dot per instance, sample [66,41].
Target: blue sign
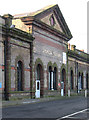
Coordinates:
[0,85]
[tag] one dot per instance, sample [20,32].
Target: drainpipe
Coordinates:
[77,77]
[7,56]
[67,87]
[31,70]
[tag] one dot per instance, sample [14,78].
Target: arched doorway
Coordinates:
[19,76]
[39,80]
[64,80]
[71,80]
[55,79]
[87,81]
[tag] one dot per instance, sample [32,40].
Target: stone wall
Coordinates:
[20,51]
[49,48]
[83,68]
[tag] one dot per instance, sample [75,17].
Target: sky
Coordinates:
[74,12]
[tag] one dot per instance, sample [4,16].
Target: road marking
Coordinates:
[73,114]
[29,102]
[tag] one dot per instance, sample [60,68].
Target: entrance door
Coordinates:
[37,88]
[39,81]
[64,81]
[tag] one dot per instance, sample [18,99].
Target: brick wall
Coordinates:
[20,51]
[49,48]
[83,68]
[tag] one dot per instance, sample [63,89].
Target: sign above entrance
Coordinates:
[0,85]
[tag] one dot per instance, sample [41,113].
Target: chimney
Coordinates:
[73,47]
[8,19]
[68,46]
[82,50]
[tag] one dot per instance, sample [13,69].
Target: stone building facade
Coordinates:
[36,59]
[15,46]
[78,70]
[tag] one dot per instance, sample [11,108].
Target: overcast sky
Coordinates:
[74,12]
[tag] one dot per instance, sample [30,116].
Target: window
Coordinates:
[54,78]
[38,72]
[52,20]
[50,78]
[87,81]
[71,79]
[82,81]
[19,76]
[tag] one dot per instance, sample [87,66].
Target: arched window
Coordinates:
[38,72]
[19,76]
[71,78]
[79,81]
[87,81]
[63,75]
[50,77]
[55,78]
[82,81]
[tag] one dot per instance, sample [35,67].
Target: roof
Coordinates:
[33,13]
[38,15]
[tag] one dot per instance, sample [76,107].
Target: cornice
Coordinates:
[17,34]
[77,56]
[35,22]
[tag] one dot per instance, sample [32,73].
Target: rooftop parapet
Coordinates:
[78,54]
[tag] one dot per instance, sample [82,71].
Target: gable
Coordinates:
[60,23]
[51,17]
[48,19]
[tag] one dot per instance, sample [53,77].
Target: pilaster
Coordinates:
[7,54]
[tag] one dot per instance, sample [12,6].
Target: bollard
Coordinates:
[69,93]
[85,93]
[62,92]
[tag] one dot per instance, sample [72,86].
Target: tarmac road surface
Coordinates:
[57,109]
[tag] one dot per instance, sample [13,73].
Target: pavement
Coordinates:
[30,101]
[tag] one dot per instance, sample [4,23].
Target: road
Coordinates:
[57,109]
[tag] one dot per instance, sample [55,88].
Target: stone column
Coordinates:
[7,54]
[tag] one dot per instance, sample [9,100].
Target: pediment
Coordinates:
[52,21]
[51,16]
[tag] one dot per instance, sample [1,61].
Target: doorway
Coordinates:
[72,82]
[63,82]
[39,81]
[87,81]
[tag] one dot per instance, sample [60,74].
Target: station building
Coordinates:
[36,59]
